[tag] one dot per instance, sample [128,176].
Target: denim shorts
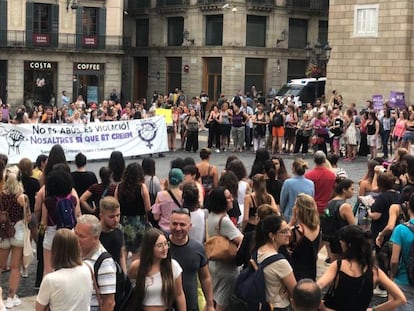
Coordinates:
[49,235]
[17,239]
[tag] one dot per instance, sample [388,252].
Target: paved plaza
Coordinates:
[354,169]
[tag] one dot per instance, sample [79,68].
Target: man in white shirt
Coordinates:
[88,230]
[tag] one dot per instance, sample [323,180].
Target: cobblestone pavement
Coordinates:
[354,169]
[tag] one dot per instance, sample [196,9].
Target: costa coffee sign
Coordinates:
[40,65]
[98,67]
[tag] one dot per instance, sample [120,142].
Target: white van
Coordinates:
[304,90]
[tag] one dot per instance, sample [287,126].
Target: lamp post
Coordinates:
[314,69]
[72,3]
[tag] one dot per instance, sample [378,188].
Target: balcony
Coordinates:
[139,8]
[211,5]
[172,6]
[61,41]
[260,5]
[317,7]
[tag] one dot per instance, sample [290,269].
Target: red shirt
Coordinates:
[324,181]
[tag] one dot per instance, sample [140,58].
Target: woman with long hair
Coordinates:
[342,211]
[365,184]
[305,238]
[223,273]
[134,200]
[13,202]
[97,191]
[248,245]
[350,135]
[351,280]
[56,156]
[262,155]
[59,185]
[373,129]
[243,188]
[116,164]
[213,128]
[280,167]
[254,200]
[56,290]
[399,128]
[260,121]
[158,276]
[273,232]
[151,180]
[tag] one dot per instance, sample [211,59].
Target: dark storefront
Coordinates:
[88,81]
[40,81]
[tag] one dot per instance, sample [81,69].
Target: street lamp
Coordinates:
[186,36]
[73,5]
[314,70]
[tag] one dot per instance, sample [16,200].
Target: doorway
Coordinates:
[212,78]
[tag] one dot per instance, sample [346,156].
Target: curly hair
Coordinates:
[132,179]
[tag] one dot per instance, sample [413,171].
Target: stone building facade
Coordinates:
[218,46]
[51,46]
[372,52]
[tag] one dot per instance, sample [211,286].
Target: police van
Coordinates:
[304,90]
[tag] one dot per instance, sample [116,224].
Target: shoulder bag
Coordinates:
[218,247]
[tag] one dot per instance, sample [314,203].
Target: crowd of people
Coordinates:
[154,231]
[244,122]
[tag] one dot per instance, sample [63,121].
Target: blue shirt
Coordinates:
[290,189]
[402,236]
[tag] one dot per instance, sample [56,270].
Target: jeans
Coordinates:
[385,141]
[409,295]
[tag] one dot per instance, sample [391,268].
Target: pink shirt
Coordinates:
[324,181]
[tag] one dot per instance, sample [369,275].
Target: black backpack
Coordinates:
[124,288]
[277,119]
[329,221]
[250,289]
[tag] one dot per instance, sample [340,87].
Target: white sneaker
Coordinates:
[380,293]
[13,302]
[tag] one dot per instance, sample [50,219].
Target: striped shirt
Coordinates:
[106,276]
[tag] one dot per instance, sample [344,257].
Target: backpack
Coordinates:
[250,289]
[65,212]
[124,288]
[277,119]
[409,264]
[329,221]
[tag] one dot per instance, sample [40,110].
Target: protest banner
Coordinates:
[96,139]
[166,113]
[397,100]
[378,101]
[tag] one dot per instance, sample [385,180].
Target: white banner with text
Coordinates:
[95,140]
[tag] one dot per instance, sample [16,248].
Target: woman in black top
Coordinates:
[343,214]
[352,278]
[305,237]
[134,200]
